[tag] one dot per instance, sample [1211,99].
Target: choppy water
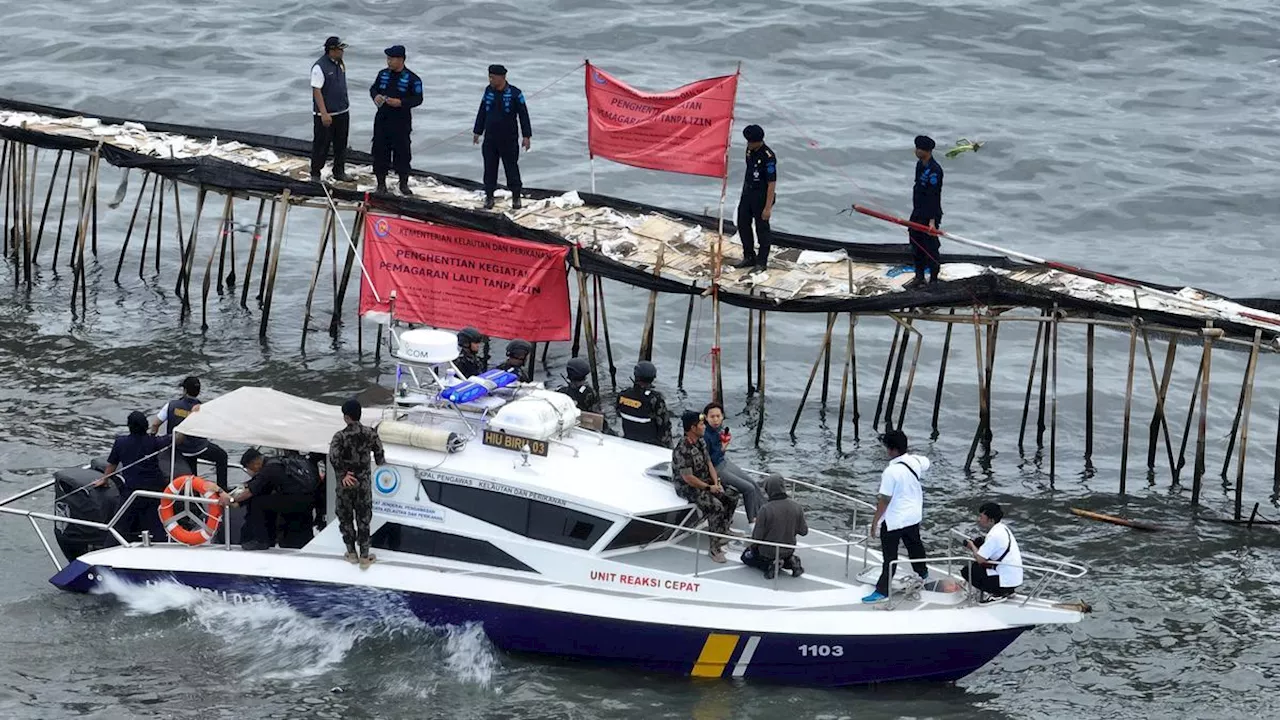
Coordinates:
[1133,138]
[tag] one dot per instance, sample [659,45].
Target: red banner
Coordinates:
[451,278]
[685,130]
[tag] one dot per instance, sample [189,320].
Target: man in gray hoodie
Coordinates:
[779,521]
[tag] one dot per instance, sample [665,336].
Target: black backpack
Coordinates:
[300,475]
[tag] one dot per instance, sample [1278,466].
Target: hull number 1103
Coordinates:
[822,650]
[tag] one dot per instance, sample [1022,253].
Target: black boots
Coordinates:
[382,185]
[404,185]
[488,201]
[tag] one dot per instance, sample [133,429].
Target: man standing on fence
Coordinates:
[926,209]
[330,107]
[349,453]
[755,207]
[500,109]
[396,91]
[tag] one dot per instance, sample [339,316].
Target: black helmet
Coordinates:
[468,335]
[577,369]
[519,348]
[645,371]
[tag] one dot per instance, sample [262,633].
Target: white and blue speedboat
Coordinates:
[502,509]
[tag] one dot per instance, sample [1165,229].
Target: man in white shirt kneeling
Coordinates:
[996,569]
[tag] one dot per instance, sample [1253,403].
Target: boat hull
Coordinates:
[809,659]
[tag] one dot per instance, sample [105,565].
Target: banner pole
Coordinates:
[717,259]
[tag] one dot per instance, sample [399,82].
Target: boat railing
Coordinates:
[1045,572]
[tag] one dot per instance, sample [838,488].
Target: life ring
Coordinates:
[204,528]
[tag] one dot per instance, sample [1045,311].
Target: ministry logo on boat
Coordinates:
[387,480]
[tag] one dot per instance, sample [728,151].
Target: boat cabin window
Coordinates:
[642,533]
[533,519]
[420,541]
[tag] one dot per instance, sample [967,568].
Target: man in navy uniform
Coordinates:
[926,209]
[191,448]
[396,91]
[756,204]
[500,109]
[330,106]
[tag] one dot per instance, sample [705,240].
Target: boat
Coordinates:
[501,504]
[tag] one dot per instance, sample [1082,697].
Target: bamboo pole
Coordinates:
[751,344]
[189,261]
[344,283]
[325,232]
[4,188]
[684,344]
[942,375]
[577,329]
[1044,382]
[1053,413]
[231,274]
[208,268]
[813,373]
[253,251]
[826,359]
[1248,410]
[760,346]
[91,179]
[982,393]
[1128,404]
[83,184]
[224,236]
[646,337]
[1088,396]
[1210,334]
[584,308]
[1159,419]
[844,388]
[48,199]
[62,212]
[911,378]
[1191,414]
[182,240]
[993,334]
[907,337]
[133,219]
[275,262]
[604,325]
[160,225]
[884,378]
[93,190]
[1031,382]
[28,199]
[1246,382]
[266,253]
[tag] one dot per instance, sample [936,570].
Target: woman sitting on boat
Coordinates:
[696,480]
[717,437]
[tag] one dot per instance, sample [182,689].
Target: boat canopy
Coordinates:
[266,417]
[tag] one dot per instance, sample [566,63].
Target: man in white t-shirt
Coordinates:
[899,511]
[996,569]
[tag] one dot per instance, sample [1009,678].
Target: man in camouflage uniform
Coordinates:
[696,480]
[349,455]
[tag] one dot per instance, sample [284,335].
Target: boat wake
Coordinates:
[266,638]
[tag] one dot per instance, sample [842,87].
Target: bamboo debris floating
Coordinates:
[1125,522]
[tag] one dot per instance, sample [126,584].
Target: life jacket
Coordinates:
[635,409]
[175,413]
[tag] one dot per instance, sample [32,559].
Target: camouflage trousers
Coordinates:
[717,509]
[355,512]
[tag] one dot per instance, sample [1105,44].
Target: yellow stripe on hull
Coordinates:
[715,655]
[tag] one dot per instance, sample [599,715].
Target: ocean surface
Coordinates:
[1132,138]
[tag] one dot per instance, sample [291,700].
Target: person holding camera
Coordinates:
[996,569]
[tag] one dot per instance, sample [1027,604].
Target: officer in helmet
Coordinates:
[643,410]
[469,362]
[518,354]
[584,396]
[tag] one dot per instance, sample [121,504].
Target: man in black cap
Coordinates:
[926,209]
[643,410]
[330,107]
[500,108]
[349,456]
[396,91]
[756,203]
[279,488]
[518,352]
[469,362]
[191,448]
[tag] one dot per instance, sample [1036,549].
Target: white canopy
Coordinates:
[266,417]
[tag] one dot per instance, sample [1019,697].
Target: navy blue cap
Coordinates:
[395,51]
[497,70]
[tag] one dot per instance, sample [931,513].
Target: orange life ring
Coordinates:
[191,486]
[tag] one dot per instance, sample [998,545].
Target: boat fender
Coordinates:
[398,432]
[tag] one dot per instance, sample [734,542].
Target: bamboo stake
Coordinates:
[813,373]
[62,213]
[160,225]
[577,329]
[146,232]
[1128,404]
[826,359]
[1053,416]
[942,375]
[760,347]
[993,334]
[133,219]
[76,243]
[231,274]
[1044,381]
[751,343]
[188,263]
[1088,397]
[253,251]
[224,236]
[1159,420]
[907,336]
[844,388]
[1248,410]
[911,378]
[358,227]
[91,180]
[1191,413]
[275,262]
[182,241]
[1209,334]
[982,393]
[266,253]
[646,337]
[48,198]
[604,325]
[5,185]
[1031,382]
[584,308]
[93,189]
[325,232]
[684,344]
[1245,383]
[884,379]
[28,198]
[208,268]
